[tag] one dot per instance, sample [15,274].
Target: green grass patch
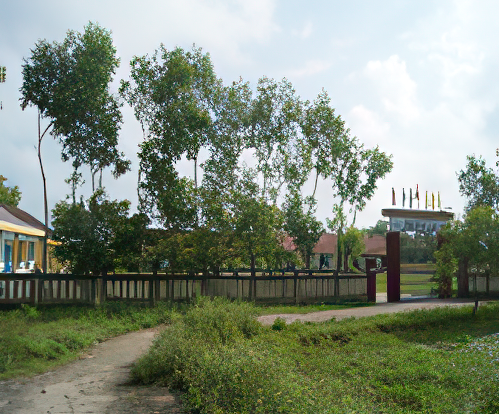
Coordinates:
[443,361]
[33,340]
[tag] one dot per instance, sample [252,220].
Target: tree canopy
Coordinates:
[9,195]
[69,84]
[97,235]
[479,183]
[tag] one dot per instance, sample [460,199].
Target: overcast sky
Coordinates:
[416,78]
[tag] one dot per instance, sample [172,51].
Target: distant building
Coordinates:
[327,248]
[21,240]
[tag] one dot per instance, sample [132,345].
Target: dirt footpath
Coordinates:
[379,308]
[96,383]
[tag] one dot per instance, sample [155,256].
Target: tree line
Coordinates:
[230,213]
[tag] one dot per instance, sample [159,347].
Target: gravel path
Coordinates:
[96,383]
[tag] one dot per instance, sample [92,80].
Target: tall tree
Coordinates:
[9,195]
[172,93]
[275,137]
[69,84]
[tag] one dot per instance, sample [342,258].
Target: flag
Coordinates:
[439,203]
[433,201]
[393,197]
[426,202]
[403,197]
[417,194]
[410,197]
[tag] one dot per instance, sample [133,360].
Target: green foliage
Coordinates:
[353,244]
[69,83]
[10,196]
[446,267]
[380,228]
[302,225]
[96,236]
[406,362]
[417,248]
[184,108]
[479,184]
[172,94]
[475,240]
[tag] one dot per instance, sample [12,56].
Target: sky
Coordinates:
[416,78]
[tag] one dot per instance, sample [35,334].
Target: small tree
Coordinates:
[302,225]
[446,267]
[9,195]
[354,246]
[92,234]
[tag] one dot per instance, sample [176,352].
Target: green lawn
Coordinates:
[413,284]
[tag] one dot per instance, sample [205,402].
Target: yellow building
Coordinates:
[21,240]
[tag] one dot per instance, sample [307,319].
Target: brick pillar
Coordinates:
[371,279]
[393,266]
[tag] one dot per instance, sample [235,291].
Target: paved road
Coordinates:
[407,304]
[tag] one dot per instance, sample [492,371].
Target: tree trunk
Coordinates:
[463,287]
[253,263]
[45,204]
[307,261]
[316,179]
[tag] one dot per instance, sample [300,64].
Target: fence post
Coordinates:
[157,290]
[336,284]
[371,279]
[151,292]
[295,287]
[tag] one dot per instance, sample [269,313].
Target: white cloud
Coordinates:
[312,67]
[396,89]
[368,125]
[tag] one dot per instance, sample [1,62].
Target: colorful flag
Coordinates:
[417,194]
[403,197]
[439,203]
[426,202]
[410,197]
[433,201]
[393,197]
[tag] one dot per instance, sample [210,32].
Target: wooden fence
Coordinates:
[295,287]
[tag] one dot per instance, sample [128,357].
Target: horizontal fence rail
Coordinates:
[266,286]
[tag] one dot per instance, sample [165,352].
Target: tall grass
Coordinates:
[33,340]
[423,361]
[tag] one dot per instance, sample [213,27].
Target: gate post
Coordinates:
[371,279]
[393,266]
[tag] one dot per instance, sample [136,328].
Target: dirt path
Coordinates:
[406,305]
[96,383]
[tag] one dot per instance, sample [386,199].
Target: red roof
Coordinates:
[328,241]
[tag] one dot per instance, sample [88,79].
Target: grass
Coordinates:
[34,340]
[303,309]
[441,361]
[412,284]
